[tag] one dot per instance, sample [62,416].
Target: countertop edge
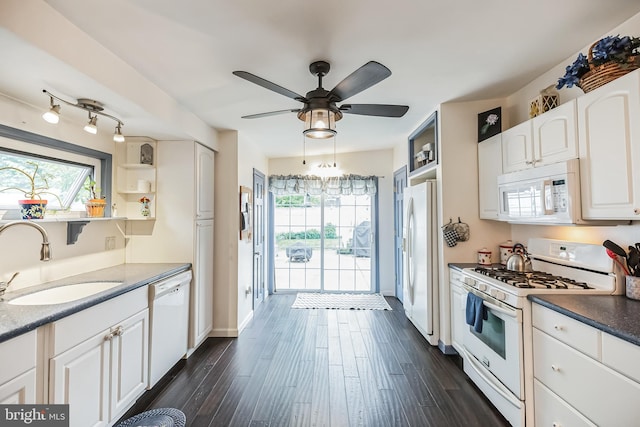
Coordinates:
[614,331]
[59,311]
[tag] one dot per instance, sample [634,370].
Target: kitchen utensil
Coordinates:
[519,261]
[614,256]
[615,248]
[633,260]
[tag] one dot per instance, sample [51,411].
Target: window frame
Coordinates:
[105,159]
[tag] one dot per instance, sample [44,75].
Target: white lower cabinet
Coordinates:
[572,382]
[18,373]
[458,307]
[202,309]
[100,361]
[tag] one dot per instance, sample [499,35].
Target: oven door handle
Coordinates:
[490,306]
[495,385]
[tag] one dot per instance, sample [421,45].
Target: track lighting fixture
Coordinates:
[94,108]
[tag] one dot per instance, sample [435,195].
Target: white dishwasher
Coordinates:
[169,323]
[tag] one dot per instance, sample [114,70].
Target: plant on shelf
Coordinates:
[608,59]
[96,204]
[33,206]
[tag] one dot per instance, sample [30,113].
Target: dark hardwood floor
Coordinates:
[293,367]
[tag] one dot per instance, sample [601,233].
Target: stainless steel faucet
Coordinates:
[45,250]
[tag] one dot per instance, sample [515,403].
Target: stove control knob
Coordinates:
[482,286]
[469,281]
[499,295]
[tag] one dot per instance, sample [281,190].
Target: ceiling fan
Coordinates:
[320,111]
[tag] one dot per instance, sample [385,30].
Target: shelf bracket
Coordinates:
[74,228]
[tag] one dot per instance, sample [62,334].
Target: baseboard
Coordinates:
[223,333]
[446,349]
[245,322]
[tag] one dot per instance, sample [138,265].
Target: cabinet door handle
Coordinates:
[529,162]
[636,211]
[109,336]
[558,327]
[119,331]
[555,368]
[556,424]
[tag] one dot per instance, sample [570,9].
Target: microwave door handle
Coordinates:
[547,197]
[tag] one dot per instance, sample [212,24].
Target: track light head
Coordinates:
[91,126]
[52,115]
[118,136]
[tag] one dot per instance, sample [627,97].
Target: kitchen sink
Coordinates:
[62,294]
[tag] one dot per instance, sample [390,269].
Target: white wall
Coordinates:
[226,263]
[20,246]
[249,157]
[361,163]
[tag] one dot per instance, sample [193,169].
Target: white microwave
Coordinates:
[547,194]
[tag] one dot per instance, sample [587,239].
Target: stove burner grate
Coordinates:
[533,279]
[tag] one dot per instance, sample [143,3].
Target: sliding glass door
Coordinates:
[324,243]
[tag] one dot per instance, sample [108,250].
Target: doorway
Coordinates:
[258,236]
[324,243]
[399,183]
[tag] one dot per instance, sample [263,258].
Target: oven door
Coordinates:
[497,350]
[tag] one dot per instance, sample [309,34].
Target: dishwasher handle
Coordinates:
[169,285]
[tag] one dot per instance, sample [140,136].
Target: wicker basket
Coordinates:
[599,75]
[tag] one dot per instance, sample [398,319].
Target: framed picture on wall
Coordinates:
[489,123]
[245,213]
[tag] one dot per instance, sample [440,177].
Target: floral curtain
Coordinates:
[313,185]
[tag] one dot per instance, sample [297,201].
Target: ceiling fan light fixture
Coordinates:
[319,123]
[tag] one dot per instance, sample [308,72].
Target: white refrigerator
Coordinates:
[420,244]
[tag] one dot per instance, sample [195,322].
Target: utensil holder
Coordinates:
[633,287]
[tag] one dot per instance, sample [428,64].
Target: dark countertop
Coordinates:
[614,314]
[462,265]
[18,319]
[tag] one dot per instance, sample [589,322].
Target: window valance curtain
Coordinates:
[356,185]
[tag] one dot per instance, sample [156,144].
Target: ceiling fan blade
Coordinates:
[269,85]
[270,113]
[363,78]
[381,110]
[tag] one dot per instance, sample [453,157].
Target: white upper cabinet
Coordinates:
[609,134]
[204,182]
[489,167]
[517,150]
[554,135]
[545,139]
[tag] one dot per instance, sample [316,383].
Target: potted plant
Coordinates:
[96,204]
[607,59]
[33,206]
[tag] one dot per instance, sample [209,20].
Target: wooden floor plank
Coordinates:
[333,368]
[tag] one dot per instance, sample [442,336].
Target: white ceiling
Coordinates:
[438,51]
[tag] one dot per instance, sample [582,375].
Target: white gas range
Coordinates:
[497,350]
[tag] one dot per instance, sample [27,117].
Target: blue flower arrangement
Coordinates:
[609,49]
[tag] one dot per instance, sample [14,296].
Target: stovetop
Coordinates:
[531,280]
